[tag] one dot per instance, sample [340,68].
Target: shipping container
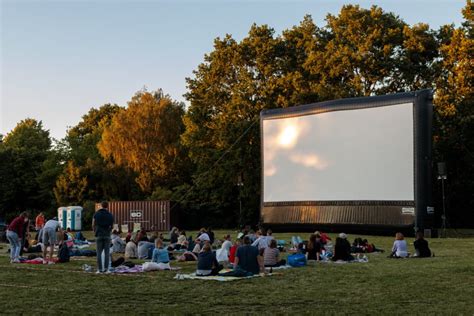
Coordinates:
[149,215]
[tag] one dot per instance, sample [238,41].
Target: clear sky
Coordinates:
[60,58]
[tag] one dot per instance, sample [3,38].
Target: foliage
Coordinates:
[23,152]
[454,135]
[145,138]
[104,180]
[70,186]
[359,52]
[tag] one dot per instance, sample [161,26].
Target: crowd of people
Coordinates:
[250,253]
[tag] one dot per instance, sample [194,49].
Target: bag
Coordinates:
[297,260]
[63,254]
[150,266]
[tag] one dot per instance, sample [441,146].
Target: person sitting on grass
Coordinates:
[182,241]
[271,255]
[421,246]
[247,261]
[131,249]
[197,246]
[161,256]
[118,245]
[399,249]
[222,253]
[233,250]
[207,263]
[342,249]
[261,242]
[314,247]
[142,236]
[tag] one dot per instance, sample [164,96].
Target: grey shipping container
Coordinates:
[151,215]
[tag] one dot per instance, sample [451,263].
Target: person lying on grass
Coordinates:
[399,249]
[160,255]
[207,263]
[271,255]
[342,249]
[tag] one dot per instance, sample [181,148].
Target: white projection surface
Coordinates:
[350,155]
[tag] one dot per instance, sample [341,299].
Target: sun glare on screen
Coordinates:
[288,136]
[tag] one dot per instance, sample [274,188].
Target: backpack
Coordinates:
[297,260]
[63,253]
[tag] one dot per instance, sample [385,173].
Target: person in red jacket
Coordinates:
[14,231]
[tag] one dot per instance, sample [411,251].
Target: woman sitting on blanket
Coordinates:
[315,247]
[161,256]
[222,254]
[207,262]
[271,255]
[342,249]
[182,241]
[399,249]
[130,248]
[233,250]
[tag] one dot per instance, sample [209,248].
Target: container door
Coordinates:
[64,223]
[73,219]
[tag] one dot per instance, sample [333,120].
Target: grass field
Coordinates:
[440,285]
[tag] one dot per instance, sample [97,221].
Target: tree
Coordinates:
[104,180]
[71,186]
[23,152]
[146,139]
[454,114]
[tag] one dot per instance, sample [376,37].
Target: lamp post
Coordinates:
[442,175]
[240,184]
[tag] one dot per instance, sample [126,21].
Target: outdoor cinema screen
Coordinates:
[362,154]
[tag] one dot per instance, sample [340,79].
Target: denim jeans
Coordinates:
[103,245]
[15,244]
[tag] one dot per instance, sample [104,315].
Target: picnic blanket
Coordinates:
[139,268]
[193,276]
[38,261]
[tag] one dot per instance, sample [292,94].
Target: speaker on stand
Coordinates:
[443,175]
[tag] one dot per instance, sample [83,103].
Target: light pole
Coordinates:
[240,184]
[443,175]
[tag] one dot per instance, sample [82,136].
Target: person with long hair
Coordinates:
[314,247]
[399,249]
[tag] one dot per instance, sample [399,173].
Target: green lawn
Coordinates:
[440,285]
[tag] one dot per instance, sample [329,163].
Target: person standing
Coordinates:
[102,225]
[39,221]
[14,231]
[49,237]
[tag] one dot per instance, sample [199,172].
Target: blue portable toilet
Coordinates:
[74,217]
[62,216]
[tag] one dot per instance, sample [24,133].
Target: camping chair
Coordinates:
[137,227]
[124,228]
[116,227]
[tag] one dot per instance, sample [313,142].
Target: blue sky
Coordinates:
[60,58]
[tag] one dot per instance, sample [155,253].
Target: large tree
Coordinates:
[359,52]
[24,151]
[454,133]
[145,138]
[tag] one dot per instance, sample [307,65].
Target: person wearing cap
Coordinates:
[342,249]
[49,237]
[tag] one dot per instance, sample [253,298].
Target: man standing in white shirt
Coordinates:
[49,237]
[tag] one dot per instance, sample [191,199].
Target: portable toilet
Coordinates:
[74,217]
[62,216]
